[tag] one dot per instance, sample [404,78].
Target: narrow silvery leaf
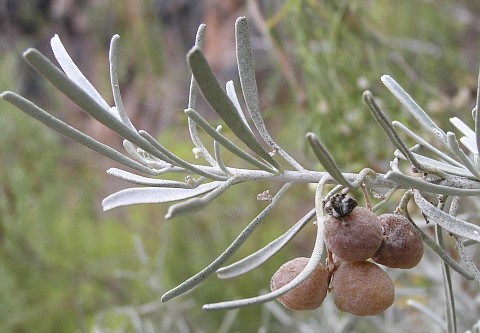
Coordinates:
[219,101]
[259,257]
[132,150]
[455,147]
[462,127]
[447,286]
[73,72]
[426,144]
[427,312]
[469,139]
[199,203]
[232,94]
[413,107]
[119,108]
[418,183]
[71,132]
[218,154]
[446,221]
[83,99]
[198,278]
[326,160]
[441,252]
[145,195]
[469,144]
[177,160]
[203,124]
[467,259]
[392,134]
[197,141]
[192,103]
[477,116]
[431,163]
[313,262]
[146,181]
[246,71]
[192,94]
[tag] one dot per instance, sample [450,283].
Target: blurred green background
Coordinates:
[66,266]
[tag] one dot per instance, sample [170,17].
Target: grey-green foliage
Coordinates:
[52,238]
[342,47]
[445,171]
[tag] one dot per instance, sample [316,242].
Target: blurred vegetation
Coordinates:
[65,266]
[341,48]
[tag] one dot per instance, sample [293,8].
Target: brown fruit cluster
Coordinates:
[307,295]
[362,288]
[352,236]
[402,246]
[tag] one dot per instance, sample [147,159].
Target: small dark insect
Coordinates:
[340,205]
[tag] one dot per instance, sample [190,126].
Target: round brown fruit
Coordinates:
[362,288]
[307,295]
[353,237]
[402,246]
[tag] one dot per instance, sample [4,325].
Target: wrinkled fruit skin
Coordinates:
[354,237]
[402,245]
[307,295]
[362,288]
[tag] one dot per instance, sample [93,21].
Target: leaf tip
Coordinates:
[367,94]
[28,52]
[55,41]
[385,78]
[241,20]
[105,206]
[165,297]
[312,139]
[310,136]
[110,171]
[108,203]
[6,94]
